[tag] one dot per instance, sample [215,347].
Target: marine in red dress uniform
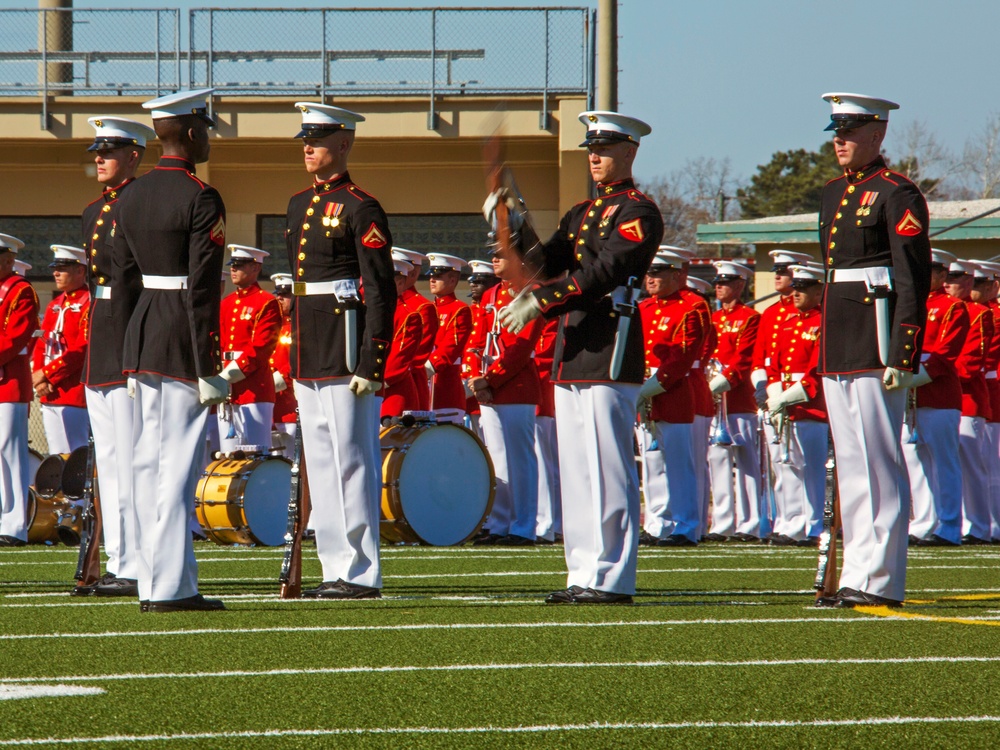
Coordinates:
[985,291]
[251,320]
[417,302]
[400,392]
[18,322]
[58,356]
[281,368]
[454,324]
[482,279]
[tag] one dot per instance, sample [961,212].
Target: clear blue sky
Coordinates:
[743,78]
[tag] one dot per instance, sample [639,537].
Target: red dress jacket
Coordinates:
[284,402]
[454,324]
[471,357]
[62,348]
[18,322]
[251,322]
[400,392]
[704,404]
[413,301]
[511,374]
[772,320]
[944,337]
[795,359]
[737,335]
[545,351]
[993,363]
[972,360]
[673,336]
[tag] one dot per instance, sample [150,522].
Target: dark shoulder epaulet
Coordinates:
[200,184]
[894,178]
[359,193]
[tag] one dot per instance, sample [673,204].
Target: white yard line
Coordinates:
[488,729]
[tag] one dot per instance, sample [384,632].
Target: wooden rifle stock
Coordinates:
[498,176]
[299,505]
[88,562]
[826,572]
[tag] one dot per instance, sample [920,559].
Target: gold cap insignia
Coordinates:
[99,123]
[592,118]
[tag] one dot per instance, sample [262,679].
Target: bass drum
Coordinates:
[53,519]
[438,484]
[245,500]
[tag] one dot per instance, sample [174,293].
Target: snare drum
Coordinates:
[438,484]
[53,519]
[49,475]
[245,500]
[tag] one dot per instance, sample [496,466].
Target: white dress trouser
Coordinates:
[700,430]
[600,485]
[993,467]
[343,464]
[802,479]
[14,479]
[668,481]
[250,425]
[169,435]
[867,422]
[283,436]
[66,427]
[509,434]
[976,519]
[549,519]
[111,420]
[935,474]
[774,452]
[735,472]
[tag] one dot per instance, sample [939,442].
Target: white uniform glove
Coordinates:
[360,386]
[521,311]
[429,369]
[652,387]
[894,378]
[279,382]
[921,378]
[719,384]
[774,389]
[759,380]
[130,386]
[232,373]
[779,403]
[212,390]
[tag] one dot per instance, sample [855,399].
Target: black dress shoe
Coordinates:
[541,540]
[850,598]
[11,541]
[489,540]
[81,590]
[647,540]
[741,536]
[341,589]
[676,540]
[782,540]
[196,603]
[809,541]
[564,596]
[713,537]
[117,587]
[936,541]
[513,540]
[967,539]
[826,602]
[593,596]
[913,540]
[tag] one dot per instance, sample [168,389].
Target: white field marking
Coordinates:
[818,618]
[17,692]
[268,599]
[502,667]
[562,572]
[872,721]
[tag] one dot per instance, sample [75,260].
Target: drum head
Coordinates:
[48,478]
[74,475]
[265,501]
[444,485]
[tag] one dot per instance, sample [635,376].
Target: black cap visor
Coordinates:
[318,130]
[111,144]
[605,138]
[850,121]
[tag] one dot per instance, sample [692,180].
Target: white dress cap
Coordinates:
[442,262]
[988,269]
[942,257]
[67,254]
[115,132]
[854,110]
[245,252]
[728,269]
[681,251]
[668,257]
[481,268]
[787,257]
[806,274]
[320,120]
[21,267]
[612,127]
[11,243]
[282,281]
[180,104]
[402,266]
[410,256]
[698,285]
[962,266]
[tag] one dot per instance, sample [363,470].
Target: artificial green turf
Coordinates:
[712,582]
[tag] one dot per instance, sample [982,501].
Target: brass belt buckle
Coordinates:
[299,288]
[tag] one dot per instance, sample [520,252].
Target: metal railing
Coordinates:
[432,52]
